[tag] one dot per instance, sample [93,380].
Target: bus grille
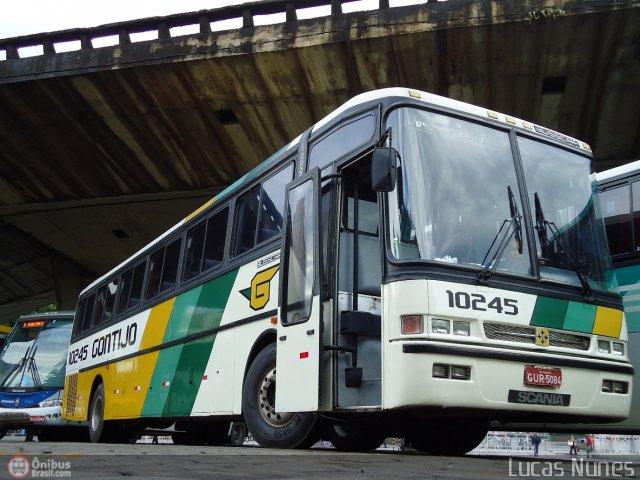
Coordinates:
[520,334]
[71,395]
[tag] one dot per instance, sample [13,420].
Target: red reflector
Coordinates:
[304,354]
[204,377]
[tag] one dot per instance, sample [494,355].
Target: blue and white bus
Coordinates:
[32,370]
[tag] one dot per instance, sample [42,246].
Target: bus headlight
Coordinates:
[50,403]
[604,346]
[440,326]
[461,328]
[617,348]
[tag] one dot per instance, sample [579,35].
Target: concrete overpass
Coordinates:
[109,135]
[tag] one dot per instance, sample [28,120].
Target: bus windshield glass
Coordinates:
[457,198]
[34,355]
[453,192]
[569,229]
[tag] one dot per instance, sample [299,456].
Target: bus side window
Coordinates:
[205,245]
[104,303]
[617,219]
[272,202]
[215,241]
[130,288]
[163,269]
[155,274]
[344,140]
[246,220]
[136,286]
[170,266]
[84,314]
[99,310]
[195,246]
[259,212]
[112,289]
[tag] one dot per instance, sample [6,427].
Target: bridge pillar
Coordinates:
[69,280]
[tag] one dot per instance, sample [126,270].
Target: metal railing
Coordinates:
[202,19]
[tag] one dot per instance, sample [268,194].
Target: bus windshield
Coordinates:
[34,355]
[458,196]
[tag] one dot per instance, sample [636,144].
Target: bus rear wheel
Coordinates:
[238,434]
[269,427]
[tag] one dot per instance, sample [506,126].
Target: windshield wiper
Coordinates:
[26,363]
[503,237]
[541,226]
[35,376]
[16,368]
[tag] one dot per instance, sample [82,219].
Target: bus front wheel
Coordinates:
[96,415]
[269,427]
[104,431]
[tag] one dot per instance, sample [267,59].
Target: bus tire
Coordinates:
[238,434]
[96,415]
[268,427]
[354,437]
[100,430]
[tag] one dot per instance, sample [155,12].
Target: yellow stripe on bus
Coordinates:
[203,207]
[157,324]
[133,375]
[608,322]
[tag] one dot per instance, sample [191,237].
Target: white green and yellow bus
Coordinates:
[409,266]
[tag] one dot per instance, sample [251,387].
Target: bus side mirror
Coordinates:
[383,169]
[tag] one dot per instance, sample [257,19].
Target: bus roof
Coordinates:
[618,171]
[361,99]
[46,315]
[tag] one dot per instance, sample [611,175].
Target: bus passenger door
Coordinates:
[299,345]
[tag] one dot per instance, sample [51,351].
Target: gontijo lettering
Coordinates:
[110,342]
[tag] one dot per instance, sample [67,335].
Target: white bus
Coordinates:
[410,266]
[620,199]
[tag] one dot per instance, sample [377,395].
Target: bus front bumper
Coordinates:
[421,375]
[39,416]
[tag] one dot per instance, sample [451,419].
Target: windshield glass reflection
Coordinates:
[570,241]
[457,187]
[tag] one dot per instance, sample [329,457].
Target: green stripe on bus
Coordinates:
[564,315]
[549,312]
[194,315]
[580,317]
[161,380]
[628,275]
[633,321]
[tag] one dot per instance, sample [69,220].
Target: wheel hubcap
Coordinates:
[266,401]
[96,414]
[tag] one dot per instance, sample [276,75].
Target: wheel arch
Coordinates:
[96,381]
[267,337]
